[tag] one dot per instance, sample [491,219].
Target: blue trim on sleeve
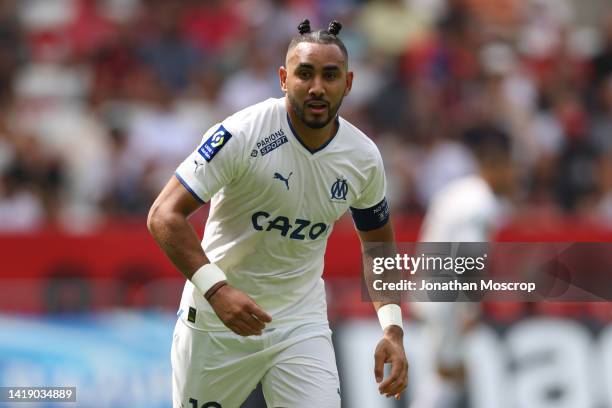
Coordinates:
[368,219]
[184,183]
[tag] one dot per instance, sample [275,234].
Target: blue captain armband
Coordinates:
[368,219]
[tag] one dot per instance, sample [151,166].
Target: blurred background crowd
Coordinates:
[101,99]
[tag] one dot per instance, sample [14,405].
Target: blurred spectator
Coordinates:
[604,206]
[602,119]
[390,26]
[12,49]
[158,137]
[115,65]
[445,161]
[29,184]
[255,82]
[173,59]
[602,62]
[120,198]
[212,26]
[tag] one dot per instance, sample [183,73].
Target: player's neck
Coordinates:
[312,138]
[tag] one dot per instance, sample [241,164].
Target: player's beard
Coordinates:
[314,123]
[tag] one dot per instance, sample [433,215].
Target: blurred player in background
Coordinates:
[278,175]
[468,209]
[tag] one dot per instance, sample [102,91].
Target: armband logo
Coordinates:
[214,143]
[382,210]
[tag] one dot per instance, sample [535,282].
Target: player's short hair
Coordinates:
[488,143]
[329,36]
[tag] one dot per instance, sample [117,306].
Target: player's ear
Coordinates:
[282,74]
[349,82]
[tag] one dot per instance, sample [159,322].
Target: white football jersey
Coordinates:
[466,210]
[273,206]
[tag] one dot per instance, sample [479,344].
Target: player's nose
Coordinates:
[316,87]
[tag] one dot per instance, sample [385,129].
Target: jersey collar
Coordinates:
[318,149]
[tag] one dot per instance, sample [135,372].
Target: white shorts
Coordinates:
[296,367]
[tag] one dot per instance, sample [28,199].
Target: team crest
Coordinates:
[339,189]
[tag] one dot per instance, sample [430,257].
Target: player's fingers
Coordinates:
[232,321]
[236,330]
[393,380]
[256,323]
[394,388]
[402,382]
[259,313]
[239,327]
[397,383]
[397,387]
[253,324]
[379,364]
[404,376]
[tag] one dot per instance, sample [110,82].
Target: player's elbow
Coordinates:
[156,218]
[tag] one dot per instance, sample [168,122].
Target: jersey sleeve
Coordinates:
[216,162]
[370,210]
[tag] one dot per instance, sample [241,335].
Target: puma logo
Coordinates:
[279,176]
[197,165]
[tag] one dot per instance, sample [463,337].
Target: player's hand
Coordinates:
[390,349]
[238,311]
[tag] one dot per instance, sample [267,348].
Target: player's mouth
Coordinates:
[317,107]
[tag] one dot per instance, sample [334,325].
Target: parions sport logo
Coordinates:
[298,229]
[272,142]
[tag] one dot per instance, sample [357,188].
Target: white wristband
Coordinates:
[207,276]
[390,314]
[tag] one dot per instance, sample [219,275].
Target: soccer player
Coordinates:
[469,209]
[278,175]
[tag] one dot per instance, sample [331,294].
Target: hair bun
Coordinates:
[304,26]
[334,27]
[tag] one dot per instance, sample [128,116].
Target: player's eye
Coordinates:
[330,75]
[304,74]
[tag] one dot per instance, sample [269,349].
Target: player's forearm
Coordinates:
[375,244]
[378,243]
[177,238]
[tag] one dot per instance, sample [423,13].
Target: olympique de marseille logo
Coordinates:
[339,189]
